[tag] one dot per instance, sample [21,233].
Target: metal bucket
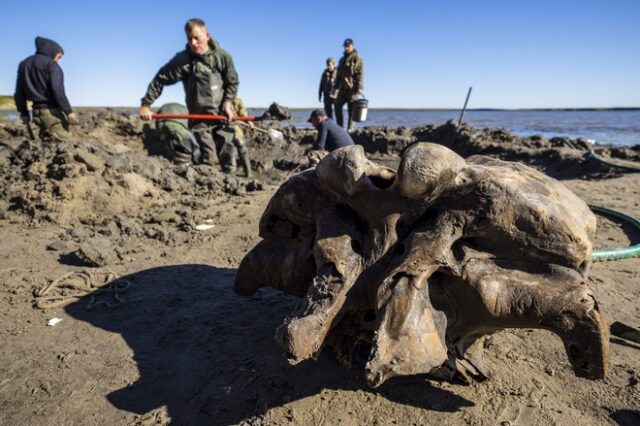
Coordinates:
[360,108]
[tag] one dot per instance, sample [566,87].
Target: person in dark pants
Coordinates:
[349,81]
[330,135]
[327,87]
[210,82]
[41,81]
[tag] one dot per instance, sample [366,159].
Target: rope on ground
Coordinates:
[616,253]
[74,286]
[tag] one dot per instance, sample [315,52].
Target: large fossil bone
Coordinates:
[422,263]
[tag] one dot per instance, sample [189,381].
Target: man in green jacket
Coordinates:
[210,82]
[349,82]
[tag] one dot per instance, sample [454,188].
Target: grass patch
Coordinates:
[7,103]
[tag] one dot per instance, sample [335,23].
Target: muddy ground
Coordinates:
[172,344]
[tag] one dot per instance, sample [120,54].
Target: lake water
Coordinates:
[605,127]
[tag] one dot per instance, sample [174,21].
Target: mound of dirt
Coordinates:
[114,168]
[105,182]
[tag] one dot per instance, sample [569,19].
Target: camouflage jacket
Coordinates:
[328,83]
[209,80]
[241,110]
[350,77]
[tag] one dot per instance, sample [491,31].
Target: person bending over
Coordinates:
[330,135]
[210,82]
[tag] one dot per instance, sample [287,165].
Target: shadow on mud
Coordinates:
[209,356]
[626,417]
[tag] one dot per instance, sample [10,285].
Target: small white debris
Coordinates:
[204,227]
[53,321]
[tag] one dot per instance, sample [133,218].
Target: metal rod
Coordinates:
[30,131]
[464,107]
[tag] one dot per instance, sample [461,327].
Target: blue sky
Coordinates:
[515,54]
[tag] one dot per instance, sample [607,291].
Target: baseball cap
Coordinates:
[348,42]
[316,113]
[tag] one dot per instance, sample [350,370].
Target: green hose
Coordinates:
[616,253]
[626,168]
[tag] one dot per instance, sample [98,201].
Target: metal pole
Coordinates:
[464,107]
[30,131]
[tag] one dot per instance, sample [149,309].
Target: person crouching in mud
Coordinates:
[330,136]
[177,138]
[210,82]
[174,134]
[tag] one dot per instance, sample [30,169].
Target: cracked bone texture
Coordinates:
[415,268]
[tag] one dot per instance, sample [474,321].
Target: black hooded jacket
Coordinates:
[40,79]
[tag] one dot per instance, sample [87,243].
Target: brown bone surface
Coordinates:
[415,267]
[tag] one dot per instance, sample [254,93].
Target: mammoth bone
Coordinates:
[408,271]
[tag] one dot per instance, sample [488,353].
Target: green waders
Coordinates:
[240,154]
[52,124]
[215,141]
[225,141]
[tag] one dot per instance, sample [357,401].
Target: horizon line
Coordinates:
[392,108]
[425,109]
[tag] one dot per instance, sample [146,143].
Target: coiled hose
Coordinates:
[616,253]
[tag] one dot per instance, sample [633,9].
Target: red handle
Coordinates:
[208,117]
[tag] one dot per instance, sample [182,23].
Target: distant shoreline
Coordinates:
[12,109]
[6,105]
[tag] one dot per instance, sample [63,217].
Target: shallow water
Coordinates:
[604,127]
